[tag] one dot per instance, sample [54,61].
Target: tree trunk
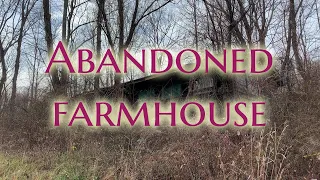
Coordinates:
[59,85]
[18,55]
[117,79]
[97,76]
[63,88]
[195,24]
[49,40]
[295,43]
[4,69]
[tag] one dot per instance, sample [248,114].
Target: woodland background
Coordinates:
[288,148]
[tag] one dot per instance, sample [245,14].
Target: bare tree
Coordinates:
[122,37]
[98,51]
[26,7]
[7,39]
[294,37]
[59,75]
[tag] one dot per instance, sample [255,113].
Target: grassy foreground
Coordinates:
[53,166]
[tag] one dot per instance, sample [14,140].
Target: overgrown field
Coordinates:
[288,148]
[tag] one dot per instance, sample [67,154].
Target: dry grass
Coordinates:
[162,154]
[287,149]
